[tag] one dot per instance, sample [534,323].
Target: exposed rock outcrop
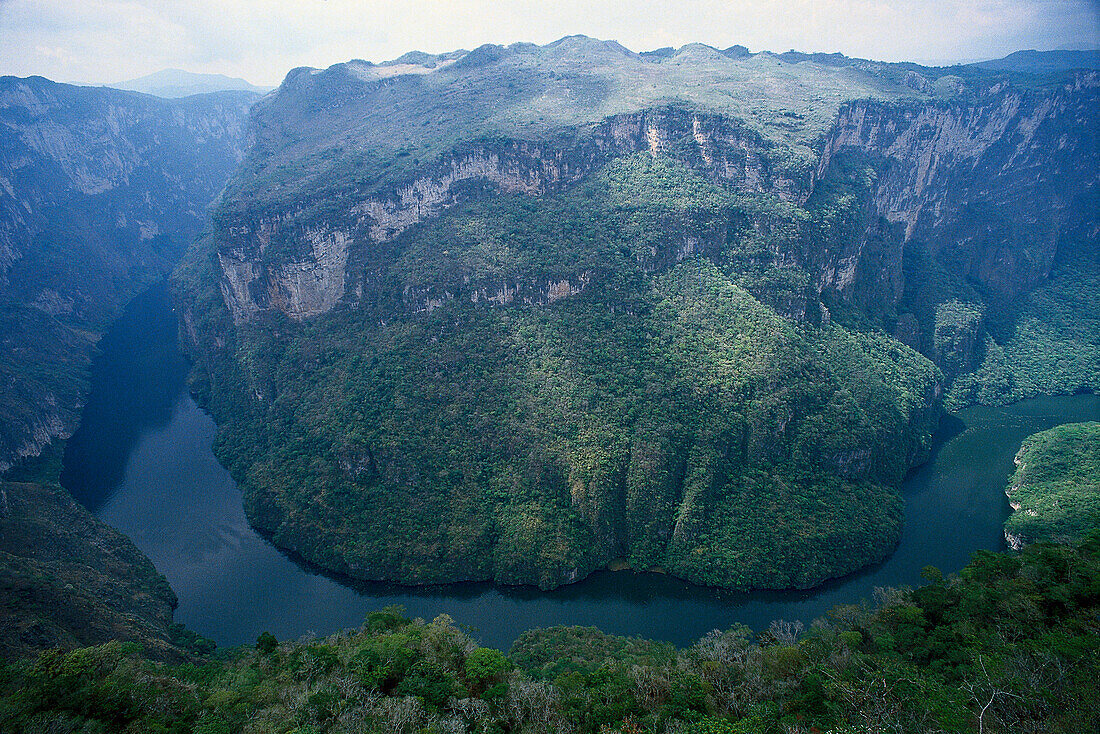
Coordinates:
[985,187]
[692,227]
[301,266]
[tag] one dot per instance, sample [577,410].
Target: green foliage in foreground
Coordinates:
[1011,643]
[1056,487]
[660,411]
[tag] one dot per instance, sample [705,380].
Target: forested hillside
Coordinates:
[648,407]
[1011,644]
[520,313]
[68,580]
[1055,491]
[513,313]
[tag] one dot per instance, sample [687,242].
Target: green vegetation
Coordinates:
[68,580]
[1055,491]
[650,407]
[955,335]
[1048,341]
[512,314]
[528,92]
[672,356]
[1011,643]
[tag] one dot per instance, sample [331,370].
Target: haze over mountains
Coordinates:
[173,83]
[1042,62]
[102,191]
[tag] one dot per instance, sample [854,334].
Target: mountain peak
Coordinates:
[589,46]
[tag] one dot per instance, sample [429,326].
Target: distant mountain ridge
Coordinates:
[174,83]
[1043,62]
[1024,61]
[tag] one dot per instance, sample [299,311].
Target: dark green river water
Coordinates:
[142,461]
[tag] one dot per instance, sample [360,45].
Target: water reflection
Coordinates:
[142,460]
[140,368]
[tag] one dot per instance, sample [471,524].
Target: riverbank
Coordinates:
[167,492]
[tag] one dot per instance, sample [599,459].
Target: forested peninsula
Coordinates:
[518,313]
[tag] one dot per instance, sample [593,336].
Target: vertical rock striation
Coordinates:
[986,188]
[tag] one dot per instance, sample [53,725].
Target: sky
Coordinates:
[100,41]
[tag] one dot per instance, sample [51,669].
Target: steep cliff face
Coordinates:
[984,187]
[302,264]
[100,193]
[347,158]
[982,191]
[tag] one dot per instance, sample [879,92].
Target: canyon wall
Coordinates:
[291,261]
[987,188]
[101,191]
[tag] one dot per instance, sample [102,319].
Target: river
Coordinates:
[142,461]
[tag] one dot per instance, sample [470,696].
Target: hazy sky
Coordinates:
[114,40]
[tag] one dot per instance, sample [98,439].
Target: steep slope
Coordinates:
[960,654]
[68,580]
[513,313]
[100,193]
[1055,491]
[969,201]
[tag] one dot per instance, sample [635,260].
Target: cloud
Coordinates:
[111,40]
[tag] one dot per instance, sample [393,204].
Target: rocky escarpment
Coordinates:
[975,196]
[347,158]
[301,264]
[653,408]
[982,188]
[100,193]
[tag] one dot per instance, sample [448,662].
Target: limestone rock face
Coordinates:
[601,304]
[986,184]
[987,187]
[295,263]
[101,191]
